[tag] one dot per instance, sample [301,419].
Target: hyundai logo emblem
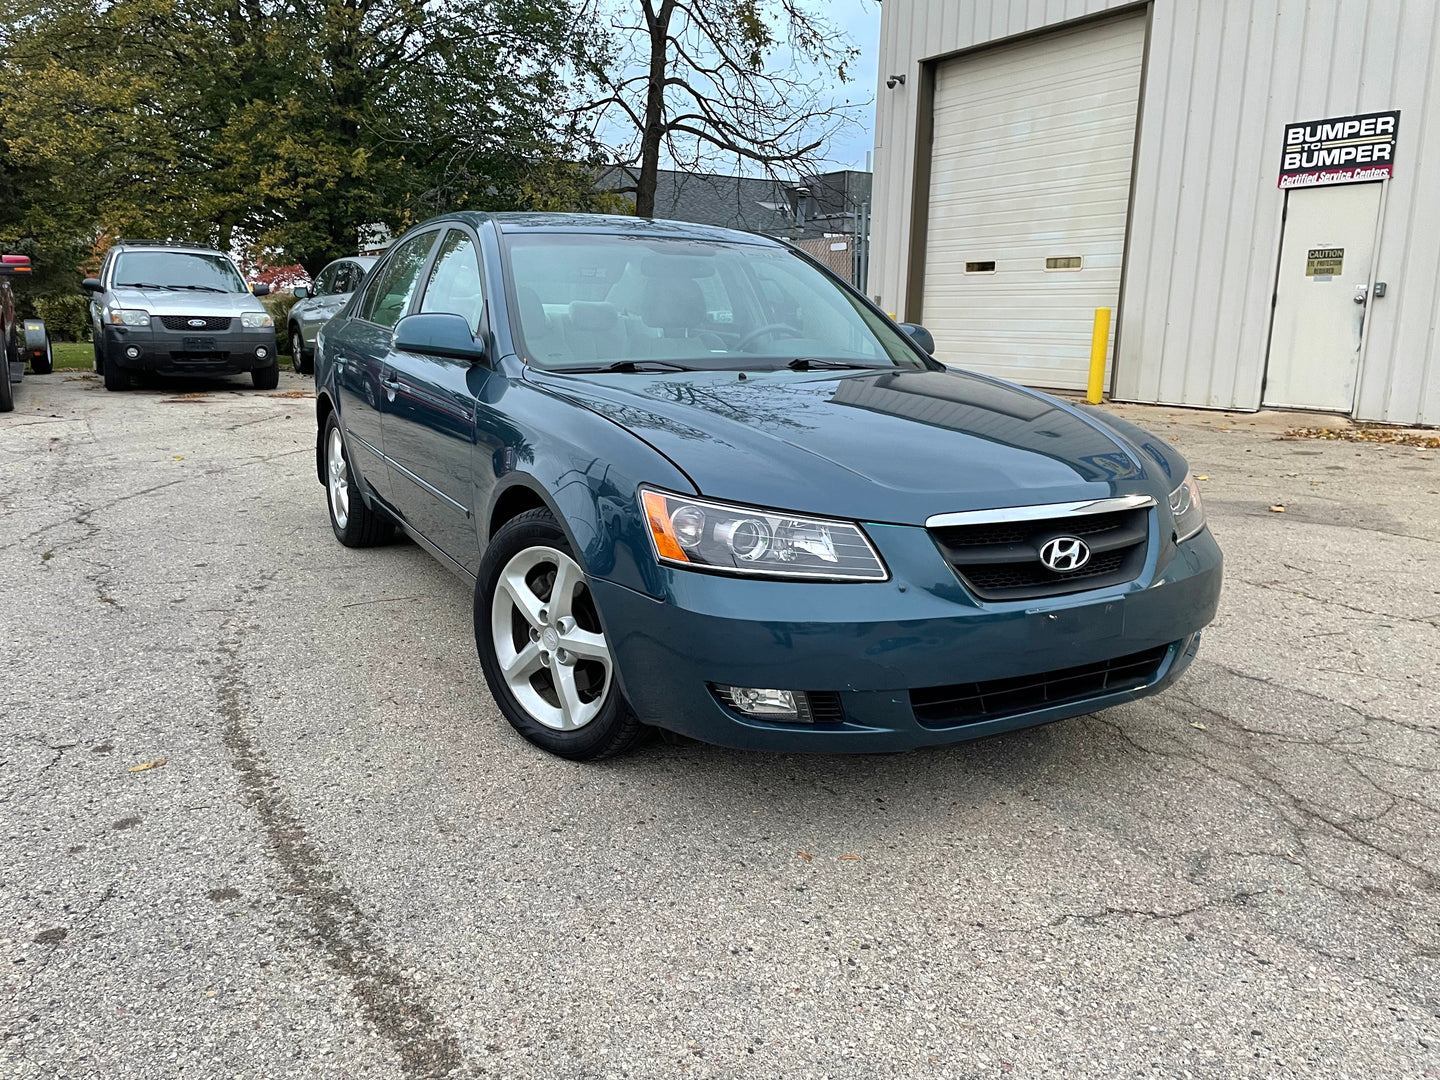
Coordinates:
[197,323]
[1065,553]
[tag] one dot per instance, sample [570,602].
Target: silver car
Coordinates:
[318,304]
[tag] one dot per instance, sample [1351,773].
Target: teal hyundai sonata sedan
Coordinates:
[698,483]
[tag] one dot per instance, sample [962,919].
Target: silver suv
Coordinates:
[178,310]
[320,303]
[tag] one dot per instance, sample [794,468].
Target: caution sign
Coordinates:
[1341,150]
[1324,263]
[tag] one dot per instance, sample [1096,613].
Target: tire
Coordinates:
[355,524]
[564,700]
[99,357]
[116,377]
[7,390]
[46,365]
[300,359]
[266,378]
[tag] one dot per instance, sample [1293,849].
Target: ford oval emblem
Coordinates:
[197,323]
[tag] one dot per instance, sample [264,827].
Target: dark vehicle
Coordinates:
[699,483]
[178,310]
[20,339]
[317,305]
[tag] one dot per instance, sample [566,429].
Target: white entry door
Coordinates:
[1322,297]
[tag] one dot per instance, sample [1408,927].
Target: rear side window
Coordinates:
[388,296]
[325,283]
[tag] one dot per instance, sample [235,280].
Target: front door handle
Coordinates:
[390,384]
[1360,293]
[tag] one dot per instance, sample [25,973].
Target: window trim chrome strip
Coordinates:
[1039,513]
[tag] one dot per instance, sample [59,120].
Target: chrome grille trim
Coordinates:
[1036,513]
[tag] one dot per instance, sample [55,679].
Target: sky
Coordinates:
[860,19]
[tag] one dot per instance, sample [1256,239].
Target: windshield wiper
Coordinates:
[808,363]
[198,288]
[142,285]
[630,367]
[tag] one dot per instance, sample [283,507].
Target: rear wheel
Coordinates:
[267,378]
[355,524]
[303,362]
[545,654]
[44,365]
[7,391]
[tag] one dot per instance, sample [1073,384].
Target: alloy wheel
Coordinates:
[338,478]
[548,641]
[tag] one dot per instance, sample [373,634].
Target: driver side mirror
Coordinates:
[920,336]
[439,334]
[260,289]
[302,292]
[92,284]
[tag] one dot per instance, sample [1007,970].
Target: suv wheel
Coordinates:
[303,363]
[7,391]
[43,365]
[267,378]
[355,524]
[545,654]
[99,356]
[116,377]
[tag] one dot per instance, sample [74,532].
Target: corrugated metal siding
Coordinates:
[1223,78]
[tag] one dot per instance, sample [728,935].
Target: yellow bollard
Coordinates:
[1099,346]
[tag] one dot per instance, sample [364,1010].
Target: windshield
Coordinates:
[178,270]
[592,301]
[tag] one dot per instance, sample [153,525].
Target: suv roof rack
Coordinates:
[159,243]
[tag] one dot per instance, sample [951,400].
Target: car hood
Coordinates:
[885,446]
[185,302]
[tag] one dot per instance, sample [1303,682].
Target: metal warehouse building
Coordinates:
[1252,185]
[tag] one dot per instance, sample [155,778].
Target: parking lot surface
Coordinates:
[348,865]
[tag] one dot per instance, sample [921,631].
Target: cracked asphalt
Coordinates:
[349,866]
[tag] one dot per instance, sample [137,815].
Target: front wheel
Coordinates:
[303,362]
[266,378]
[7,392]
[43,365]
[546,656]
[116,377]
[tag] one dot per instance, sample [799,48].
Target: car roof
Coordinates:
[607,224]
[183,249]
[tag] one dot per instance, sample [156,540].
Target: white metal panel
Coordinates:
[1223,78]
[1031,161]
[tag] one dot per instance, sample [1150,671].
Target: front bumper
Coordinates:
[195,352]
[875,643]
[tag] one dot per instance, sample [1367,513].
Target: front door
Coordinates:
[429,414]
[1322,296]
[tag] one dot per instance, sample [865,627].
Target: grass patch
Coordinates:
[73,356]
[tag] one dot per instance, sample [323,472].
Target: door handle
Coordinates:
[390,384]
[1360,293]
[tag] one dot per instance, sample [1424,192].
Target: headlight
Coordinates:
[254,320]
[129,317]
[700,534]
[1186,509]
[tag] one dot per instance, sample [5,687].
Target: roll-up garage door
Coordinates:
[1029,192]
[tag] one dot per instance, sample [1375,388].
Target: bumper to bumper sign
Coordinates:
[914,661]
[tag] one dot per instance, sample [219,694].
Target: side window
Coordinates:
[324,284]
[454,284]
[389,292]
[347,279]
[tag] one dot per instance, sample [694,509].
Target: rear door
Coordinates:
[429,417]
[361,350]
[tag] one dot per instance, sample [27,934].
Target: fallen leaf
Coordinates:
[1278,508]
[179,457]
[1174,438]
[844,857]
[1375,434]
[1202,478]
[148,765]
[1197,724]
[804,855]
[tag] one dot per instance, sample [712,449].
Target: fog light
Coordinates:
[262,352]
[786,706]
[132,352]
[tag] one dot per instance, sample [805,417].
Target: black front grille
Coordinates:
[972,703]
[186,322]
[1001,560]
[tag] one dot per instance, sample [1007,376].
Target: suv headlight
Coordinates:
[254,320]
[1186,509]
[728,539]
[129,317]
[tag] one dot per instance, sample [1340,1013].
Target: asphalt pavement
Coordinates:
[348,865]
